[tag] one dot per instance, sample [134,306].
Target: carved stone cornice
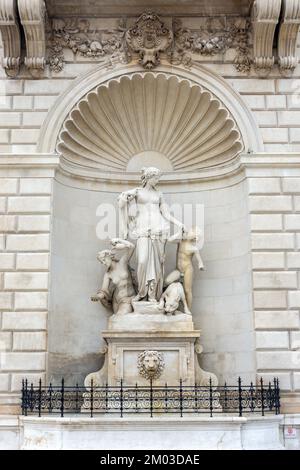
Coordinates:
[32,15]
[287,39]
[265,17]
[149,38]
[10,32]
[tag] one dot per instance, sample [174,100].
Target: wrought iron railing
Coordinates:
[61,400]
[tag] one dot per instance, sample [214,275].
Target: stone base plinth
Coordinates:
[175,349]
[156,321]
[170,340]
[139,433]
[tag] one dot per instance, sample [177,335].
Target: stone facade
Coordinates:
[250,289]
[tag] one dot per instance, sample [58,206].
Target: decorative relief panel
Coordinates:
[150,364]
[215,36]
[76,35]
[149,37]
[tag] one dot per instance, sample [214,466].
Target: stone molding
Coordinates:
[265,17]
[287,40]
[32,161]
[199,432]
[10,32]
[32,16]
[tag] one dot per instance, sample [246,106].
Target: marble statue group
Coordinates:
[146,230]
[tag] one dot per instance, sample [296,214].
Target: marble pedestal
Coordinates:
[176,349]
[173,338]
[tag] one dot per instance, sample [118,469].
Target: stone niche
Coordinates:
[222,307]
[106,138]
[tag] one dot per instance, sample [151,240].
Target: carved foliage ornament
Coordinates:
[149,37]
[150,364]
[75,35]
[214,37]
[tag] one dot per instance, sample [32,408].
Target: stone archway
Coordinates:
[197,75]
[105,129]
[128,122]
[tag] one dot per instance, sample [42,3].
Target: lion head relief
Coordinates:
[150,364]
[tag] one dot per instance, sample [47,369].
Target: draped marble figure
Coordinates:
[146,218]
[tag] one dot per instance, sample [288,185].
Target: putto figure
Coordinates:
[150,226]
[189,245]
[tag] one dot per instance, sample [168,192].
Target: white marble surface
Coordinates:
[170,433]
[151,321]
[9,432]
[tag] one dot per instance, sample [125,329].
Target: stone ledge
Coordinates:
[29,160]
[150,334]
[172,432]
[156,322]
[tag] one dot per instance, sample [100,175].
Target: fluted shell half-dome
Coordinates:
[149,119]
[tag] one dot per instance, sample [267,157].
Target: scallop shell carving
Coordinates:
[126,118]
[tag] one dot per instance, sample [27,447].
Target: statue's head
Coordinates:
[106,257]
[150,175]
[150,364]
[171,305]
[194,233]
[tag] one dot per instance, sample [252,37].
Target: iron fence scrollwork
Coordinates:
[153,400]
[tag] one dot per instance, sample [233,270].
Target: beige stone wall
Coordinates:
[275,224]
[25,220]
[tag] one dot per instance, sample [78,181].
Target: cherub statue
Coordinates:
[189,245]
[117,289]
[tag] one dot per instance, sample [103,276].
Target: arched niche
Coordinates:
[202,169]
[127,122]
[198,74]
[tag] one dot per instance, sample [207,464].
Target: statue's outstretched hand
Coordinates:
[100,296]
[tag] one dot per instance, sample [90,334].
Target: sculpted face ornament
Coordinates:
[148,36]
[150,364]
